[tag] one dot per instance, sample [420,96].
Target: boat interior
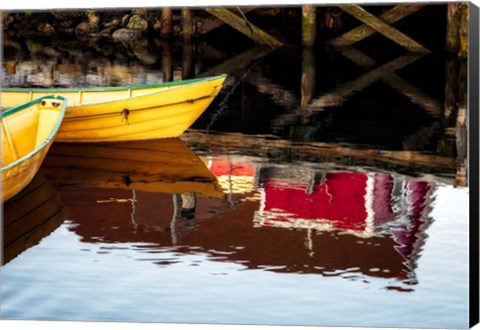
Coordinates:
[24,130]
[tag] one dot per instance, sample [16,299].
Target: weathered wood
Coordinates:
[167,61]
[463,33]
[383,28]
[208,24]
[364,31]
[337,97]
[453,27]
[456,99]
[273,147]
[245,27]
[461,176]
[166,28]
[309,25]
[187,60]
[187,24]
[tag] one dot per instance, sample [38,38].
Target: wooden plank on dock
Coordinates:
[245,27]
[271,147]
[383,28]
[364,31]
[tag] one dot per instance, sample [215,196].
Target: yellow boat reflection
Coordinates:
[30,216]
[163,165]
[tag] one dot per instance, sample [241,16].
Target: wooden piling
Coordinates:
[166,28]
[187,24]
[454,142]
[187,60]
[457,29]
[390,16]
[309,25]
[383,28]
[167,61]
[453,27]
[463,33]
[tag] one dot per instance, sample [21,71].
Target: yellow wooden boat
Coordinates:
[126,113]
[27,133]
[163,165]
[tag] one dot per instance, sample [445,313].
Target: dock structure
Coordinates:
[244,26]
[454,107]
[265,31]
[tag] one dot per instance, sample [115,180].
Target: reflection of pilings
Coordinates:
[166,18]
[167,61]
[238,65]
[308,76]
[417,96]
[187,60]
[173,223]
[309,25]
[454,143]
[273,148]
[279,94]
[338,96]
[188,205]
[461,127]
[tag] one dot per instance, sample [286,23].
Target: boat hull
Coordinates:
[27,134]
[126,114]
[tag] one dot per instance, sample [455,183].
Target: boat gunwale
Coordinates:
[111,88]
[48,139]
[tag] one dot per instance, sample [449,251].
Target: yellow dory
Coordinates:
[27,133]
[126,113]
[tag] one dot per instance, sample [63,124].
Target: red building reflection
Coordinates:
[281,219]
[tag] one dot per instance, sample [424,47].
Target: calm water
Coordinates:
[348,212]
